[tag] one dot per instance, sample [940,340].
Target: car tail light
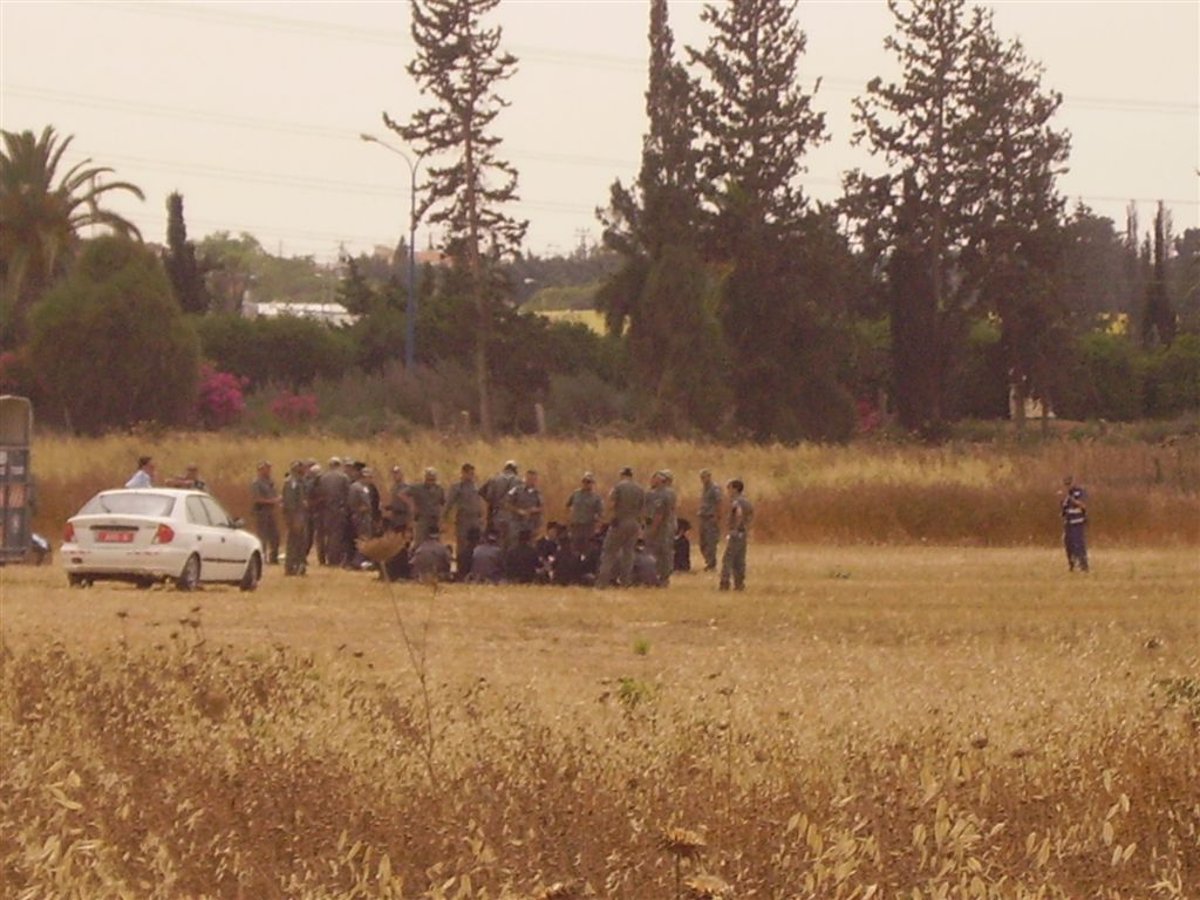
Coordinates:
[164,535]
[69,534]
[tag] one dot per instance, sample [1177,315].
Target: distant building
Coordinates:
[329,313]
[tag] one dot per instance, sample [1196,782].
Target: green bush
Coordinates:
[110,344]
[1105,380]
[288,350]
[1172,378]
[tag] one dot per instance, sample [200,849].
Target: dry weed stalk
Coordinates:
[707,887]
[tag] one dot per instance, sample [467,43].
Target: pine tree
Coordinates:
[971,195]
[460,64]
[1016,157]
[186,274]
[664,293]
[1158,313]
[757,124]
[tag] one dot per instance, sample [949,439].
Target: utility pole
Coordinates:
[410,315]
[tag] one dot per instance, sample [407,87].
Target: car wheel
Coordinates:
[79,581]
[189,578]
[253,573]
[143,584]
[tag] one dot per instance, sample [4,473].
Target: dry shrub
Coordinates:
[876,765]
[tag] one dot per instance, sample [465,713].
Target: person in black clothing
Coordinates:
[521,562]
[683,546]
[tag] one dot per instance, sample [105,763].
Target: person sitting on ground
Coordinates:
[487,560]
[645,566]
[431,559]
[521,562]
[548,547]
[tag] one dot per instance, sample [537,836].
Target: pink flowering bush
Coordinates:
[295,409]
[221,399]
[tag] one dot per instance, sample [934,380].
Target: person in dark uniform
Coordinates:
[1074,515]
[683,546]
[521,562]
[266,499]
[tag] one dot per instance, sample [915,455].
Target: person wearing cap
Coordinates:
[709,515]
[585,507]
[466,505]
[495,494]
[295,519]
[741,514]
[143,476]
[265,498]
[525,507]
[616,557]
[333,492]
[429,499]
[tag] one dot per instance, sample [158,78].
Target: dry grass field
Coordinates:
[862,722]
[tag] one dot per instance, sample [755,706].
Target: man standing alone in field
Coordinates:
[741,513]
[626,499]
[1074,516]
[709,512]
[266,498]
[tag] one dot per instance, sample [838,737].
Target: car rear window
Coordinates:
[129,505]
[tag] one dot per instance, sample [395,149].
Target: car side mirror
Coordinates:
[236,523]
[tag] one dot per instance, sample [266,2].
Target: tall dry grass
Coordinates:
[862,723]
[993,494]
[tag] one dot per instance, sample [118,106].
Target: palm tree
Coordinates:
[41,216]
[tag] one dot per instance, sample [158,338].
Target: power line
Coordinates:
[839,83]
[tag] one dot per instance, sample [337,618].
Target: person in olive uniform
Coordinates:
[429,499]
[709,516]
[265,498]
[495,494]
[525,506]
[585,507]
[295,520]
[616,557]
[741,514]
[465,503]
[333,488]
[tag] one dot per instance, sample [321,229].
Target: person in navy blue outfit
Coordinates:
[1074,516]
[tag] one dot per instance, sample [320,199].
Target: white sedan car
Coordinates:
[150,535]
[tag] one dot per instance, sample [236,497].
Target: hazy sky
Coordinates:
[253,110]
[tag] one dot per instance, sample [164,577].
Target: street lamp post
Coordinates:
[410,316]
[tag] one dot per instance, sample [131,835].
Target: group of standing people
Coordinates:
[499,524]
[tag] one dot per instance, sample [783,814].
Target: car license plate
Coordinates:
[115,537]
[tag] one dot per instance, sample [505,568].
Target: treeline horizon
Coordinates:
[949,283]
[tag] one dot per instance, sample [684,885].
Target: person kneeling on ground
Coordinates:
[645,566]
[431,559]
[487,560]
